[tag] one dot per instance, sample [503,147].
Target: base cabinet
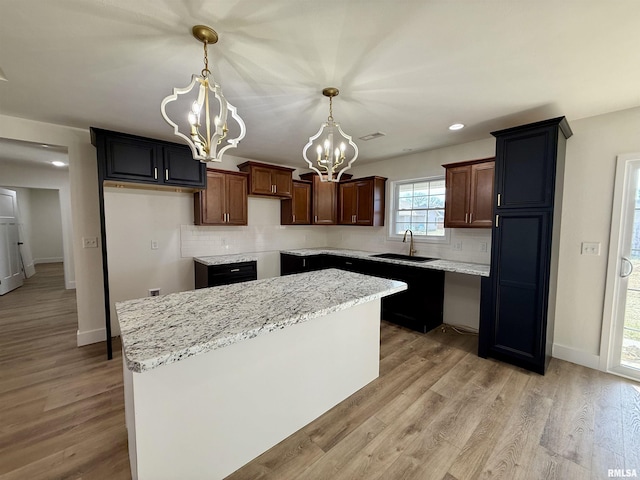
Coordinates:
[215,275]
[420,307]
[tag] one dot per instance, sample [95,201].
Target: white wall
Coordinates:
[586,217]
[46,226]
[83,219]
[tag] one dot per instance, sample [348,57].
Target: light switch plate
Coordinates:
[590,248]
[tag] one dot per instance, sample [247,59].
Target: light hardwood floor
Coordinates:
[436,412]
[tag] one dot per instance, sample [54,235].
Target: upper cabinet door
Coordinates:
[236,199]
[457,194]
[261,182]
[181,169]
[481,194]
[364,203]
[347,203]
[525,168]
[324,202]
[131,159]
[282,182]
[210,204]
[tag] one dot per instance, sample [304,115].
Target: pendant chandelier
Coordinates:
[331,146]
[207,110]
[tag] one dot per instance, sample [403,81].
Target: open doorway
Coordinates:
[43,200]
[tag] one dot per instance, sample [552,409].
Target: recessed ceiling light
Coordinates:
[371,136]
[58,163]
[456,126]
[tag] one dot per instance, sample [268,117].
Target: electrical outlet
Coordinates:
[154,244]
[89,242]
[483,246]
[590,248]
[457,246]
[154,292]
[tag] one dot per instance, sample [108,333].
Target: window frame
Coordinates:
[392,194]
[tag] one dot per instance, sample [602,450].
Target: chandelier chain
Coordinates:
[330,119]
[205,71]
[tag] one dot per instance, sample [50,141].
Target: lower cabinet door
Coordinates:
[518,323]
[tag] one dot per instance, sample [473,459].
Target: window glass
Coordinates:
[419,207]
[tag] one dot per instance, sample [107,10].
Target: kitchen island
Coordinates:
[216,376]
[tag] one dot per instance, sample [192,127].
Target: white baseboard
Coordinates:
[91,336]
[576,356]
[36,261]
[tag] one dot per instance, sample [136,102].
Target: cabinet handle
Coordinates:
[155,173]
[348,263]
[466,218]
[166,174]
[353,219]
[304,262]
[294,218]
[499,199]
[275,189]
[497,220]
[471,217]
[228,215]
[235,270]
[315,219]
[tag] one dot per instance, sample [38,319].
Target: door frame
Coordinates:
[608,362]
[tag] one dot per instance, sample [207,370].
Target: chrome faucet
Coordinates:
[404,240]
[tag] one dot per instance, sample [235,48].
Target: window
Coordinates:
[418,205]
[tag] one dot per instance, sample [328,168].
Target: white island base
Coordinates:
[206,416]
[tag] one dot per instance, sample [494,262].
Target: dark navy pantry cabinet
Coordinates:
[518,299]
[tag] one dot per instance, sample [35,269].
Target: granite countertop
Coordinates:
[161,330]
[467,268]
[226,259]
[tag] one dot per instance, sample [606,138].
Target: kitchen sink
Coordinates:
[398,256]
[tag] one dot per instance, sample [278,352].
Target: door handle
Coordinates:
[625,259]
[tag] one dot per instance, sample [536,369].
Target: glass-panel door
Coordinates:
[624,271]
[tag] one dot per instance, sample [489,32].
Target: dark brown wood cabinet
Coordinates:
[469,194]
[224,202]
[361,202]
[268,180]
[297,209]
[324,199]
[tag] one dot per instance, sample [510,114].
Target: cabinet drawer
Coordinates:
[214,275]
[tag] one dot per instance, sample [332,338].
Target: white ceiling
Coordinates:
[407,68]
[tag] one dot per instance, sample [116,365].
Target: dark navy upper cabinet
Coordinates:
[129,158]
[516,320]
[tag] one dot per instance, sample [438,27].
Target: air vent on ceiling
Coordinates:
[371,136]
